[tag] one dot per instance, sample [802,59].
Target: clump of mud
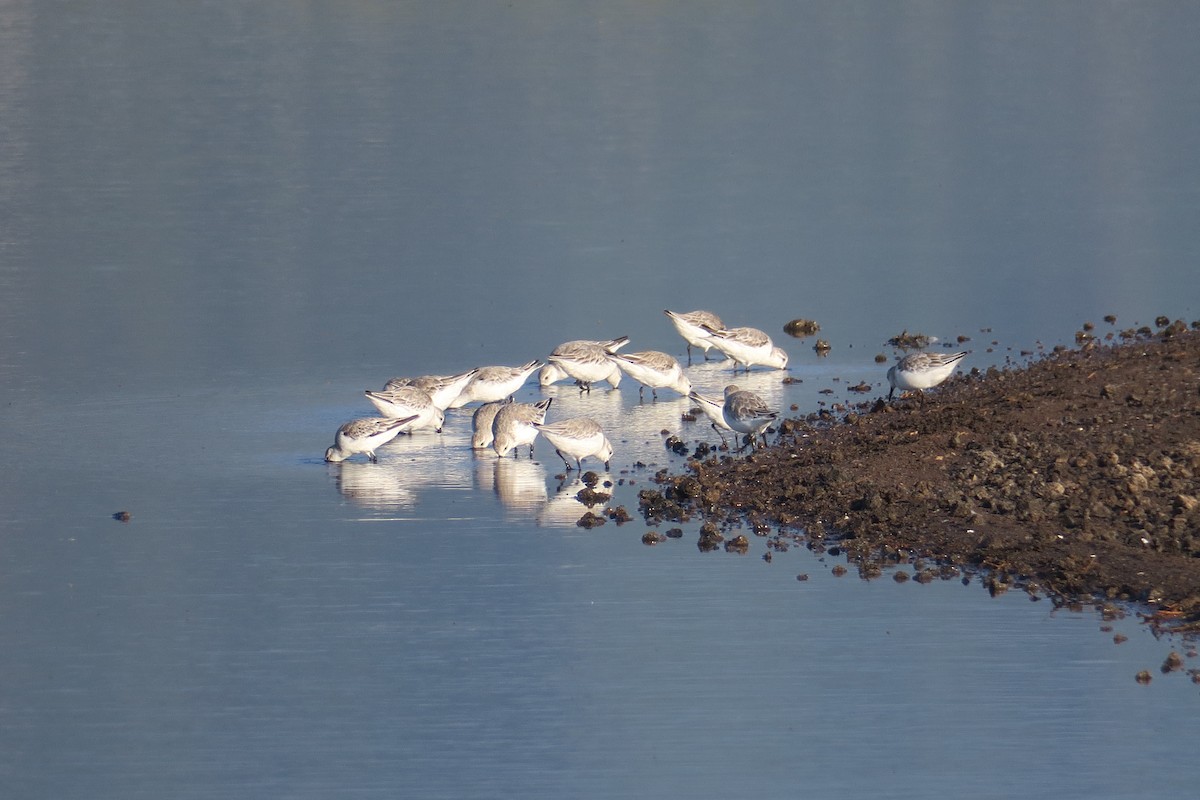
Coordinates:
[800,328]
[910,341]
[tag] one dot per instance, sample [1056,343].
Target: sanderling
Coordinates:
[746,412]
[921,371]
[408,401]
[714,410]
[553,373]
[513,425]
[578,438]
[442,389]
[654,369]
[495,383]
[690,325]
[748,346]
[587,362]
[364,435]
[481,423]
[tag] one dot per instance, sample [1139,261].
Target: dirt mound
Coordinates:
[1076,476]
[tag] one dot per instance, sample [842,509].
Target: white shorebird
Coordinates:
[690,325]
[514,425]
[481,423]
[715,411]
[495,383]
[587,362]
[408,401]
[553,373]
[578,438]
[748,346]
[442,389]
[921,371]
[746,412]
[654,369]
[364,435]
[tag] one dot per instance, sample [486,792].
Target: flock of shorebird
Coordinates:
[410,404]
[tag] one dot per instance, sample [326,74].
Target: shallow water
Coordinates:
[221,223]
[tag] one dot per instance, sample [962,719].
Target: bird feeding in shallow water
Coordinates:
[364,436]
[715,411]
[654,369]
[578,438]
[514,426]
[409,401]
[553,373]
[746,412]
[481,423]
[586,362]
[494,383]
[748,347]
[442,389]
[691,326]
[921,371]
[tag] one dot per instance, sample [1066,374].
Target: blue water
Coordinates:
[219,223]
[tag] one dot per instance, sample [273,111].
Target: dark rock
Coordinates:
[800,328]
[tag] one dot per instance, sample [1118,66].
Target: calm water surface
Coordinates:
[220,222]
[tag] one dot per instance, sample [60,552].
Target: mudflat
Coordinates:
[1075,477]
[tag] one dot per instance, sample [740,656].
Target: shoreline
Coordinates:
[1076,476]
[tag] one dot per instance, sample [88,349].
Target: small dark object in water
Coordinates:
[838,571]
[1174,662]
[739,544]
[862,387]
[590,479]
[677,445]
[1144,677]
[651,538]
[618,515]
[880,358]
[590,497]
[1111,319]
[801,328]
[1162,320]
[1118,638]
[122,516]
[803,576]
[822,347]
[590,520]
[675,533]
[909,341]
[710,538]
[900,576]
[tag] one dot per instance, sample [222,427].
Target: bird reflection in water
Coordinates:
[519,483]
[408,466]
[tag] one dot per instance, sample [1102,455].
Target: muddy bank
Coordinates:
[1075,477]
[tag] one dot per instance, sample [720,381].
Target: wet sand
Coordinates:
[1075,477]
